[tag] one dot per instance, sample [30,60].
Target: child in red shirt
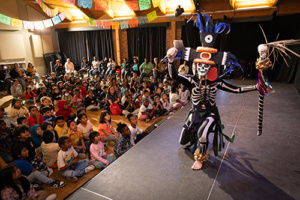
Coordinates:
[35,117]
[65,110]
[29,95]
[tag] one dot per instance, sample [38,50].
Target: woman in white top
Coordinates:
[95,66]
[69,66]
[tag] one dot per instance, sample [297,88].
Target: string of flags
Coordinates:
[124,24]
[32,24]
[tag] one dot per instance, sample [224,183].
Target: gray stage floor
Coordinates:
[253,167]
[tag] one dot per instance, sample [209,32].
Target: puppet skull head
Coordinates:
[202,69]
[263,51]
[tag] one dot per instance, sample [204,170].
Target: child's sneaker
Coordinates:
[89,168]
[82,155]
[57,184]
[72,179]
[51,197]
[50,171]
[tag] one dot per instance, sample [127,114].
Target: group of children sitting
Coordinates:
[38,139]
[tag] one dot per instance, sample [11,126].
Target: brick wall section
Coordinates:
[114,43]
[169,42]
[123,44]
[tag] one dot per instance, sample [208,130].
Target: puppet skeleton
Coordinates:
[204,85]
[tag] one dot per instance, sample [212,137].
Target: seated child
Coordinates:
[91,102]
[56,96]
[46,101]
[167,87]
[49,149]
[50,127]
[174,99]
[36,132]
[184,94]
[76,139]
[65,110]
[67,97]
[6,141]
[106,130]
[21,132]
[136,133]
[67,161]
[17,110]
[147,96]
[85,127]
[29,96]
[146,111]
[35,116]
[158,108]
[61,126]
[34,176]
[130,107]
[123,142]
[47,114]
[99,158]
[43,93]
[22,121]
[17,186]
[16,89]
[139,101]
[165,102]
[78,100]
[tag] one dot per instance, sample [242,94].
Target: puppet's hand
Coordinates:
[171,54]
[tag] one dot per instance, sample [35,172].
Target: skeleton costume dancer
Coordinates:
[204,85]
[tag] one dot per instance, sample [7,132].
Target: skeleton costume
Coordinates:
[204,115]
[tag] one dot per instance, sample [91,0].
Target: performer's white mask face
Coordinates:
[263,51]
[202,69]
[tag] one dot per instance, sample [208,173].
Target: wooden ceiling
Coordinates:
[78,16]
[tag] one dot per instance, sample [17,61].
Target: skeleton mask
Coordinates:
[263,51]
[202,69]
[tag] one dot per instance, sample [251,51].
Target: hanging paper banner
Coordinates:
[117,5]
[124,25]
[62,16]
[106,24]
[133,23]
[56,20]
[54,12]
[99,23]
[101,4]
[142,20]
[4,19]
[91,22]
[155,3]
[44,7]
[38,25]
[115,25]
[16,23]
[28,25]
[48,23]
[133,4]
[144,4]
[69,1]
[48,11]
[40,3]
[152,16]
[85,3]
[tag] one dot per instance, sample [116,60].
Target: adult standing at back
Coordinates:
[125,69]
[146,69]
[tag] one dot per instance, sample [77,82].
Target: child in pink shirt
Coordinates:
[78,100]
[98,155]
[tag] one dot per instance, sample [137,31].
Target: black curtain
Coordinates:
[78,44]
[73,44]
[146,43]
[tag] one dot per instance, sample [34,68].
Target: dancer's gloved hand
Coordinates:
[174,54]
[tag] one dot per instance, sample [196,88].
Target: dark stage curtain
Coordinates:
[146,43]
[78,44]
[73,45]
